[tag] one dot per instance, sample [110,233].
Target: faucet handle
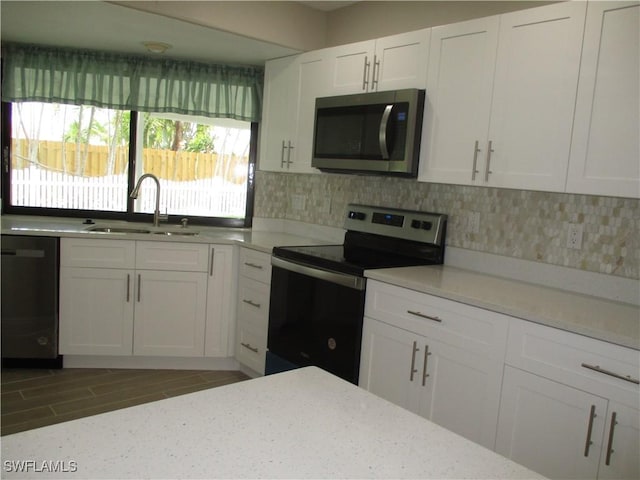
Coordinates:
[184,222]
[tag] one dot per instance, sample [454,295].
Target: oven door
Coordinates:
[315,318]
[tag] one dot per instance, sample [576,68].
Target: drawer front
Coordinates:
[78,252]
[472,328]
[253,304]
[179,257]
[575,360]
[251,348]
[255,265]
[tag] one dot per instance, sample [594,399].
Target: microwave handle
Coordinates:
[382,134]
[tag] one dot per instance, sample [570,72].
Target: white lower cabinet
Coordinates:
[125,297]
[563,413]
[254,286]
[435,357]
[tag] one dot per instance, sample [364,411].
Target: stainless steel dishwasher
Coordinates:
[29,297]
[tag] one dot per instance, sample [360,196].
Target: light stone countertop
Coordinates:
[304,423]
[263,241]
[594,317]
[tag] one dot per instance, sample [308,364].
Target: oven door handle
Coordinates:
[344,279]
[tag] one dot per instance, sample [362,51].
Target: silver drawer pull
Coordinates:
[424,365]
[253,265]
[253,304]
[422,315]
[627,378]
[414,370]
[610,449]
[249,347]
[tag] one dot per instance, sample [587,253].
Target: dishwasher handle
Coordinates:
[23,252]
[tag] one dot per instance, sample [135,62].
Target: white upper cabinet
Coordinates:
[291,87]
[388,63]
[458,101]
[605,151]
[534,96]
[501,94]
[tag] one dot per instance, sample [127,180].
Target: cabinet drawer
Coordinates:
[255,265]
[251,348]
[180,257]
[472,328]
[253,304]
[567,357]
[78,252]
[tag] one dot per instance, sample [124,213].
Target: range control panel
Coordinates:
[414,225]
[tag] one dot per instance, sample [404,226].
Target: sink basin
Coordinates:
[118,230]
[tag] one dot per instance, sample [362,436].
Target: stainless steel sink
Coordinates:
[118,230]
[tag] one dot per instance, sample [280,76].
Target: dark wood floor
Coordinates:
[33,398]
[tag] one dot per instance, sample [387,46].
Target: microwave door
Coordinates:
[383,137]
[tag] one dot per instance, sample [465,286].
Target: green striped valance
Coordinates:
[125,82]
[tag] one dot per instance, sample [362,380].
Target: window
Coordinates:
[77,161]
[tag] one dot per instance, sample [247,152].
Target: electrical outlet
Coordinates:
[474,222]
[574,236]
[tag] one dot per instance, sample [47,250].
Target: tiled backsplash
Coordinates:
[514,223]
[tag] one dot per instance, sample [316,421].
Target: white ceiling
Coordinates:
[104,26]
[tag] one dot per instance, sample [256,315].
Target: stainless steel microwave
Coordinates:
[375,133]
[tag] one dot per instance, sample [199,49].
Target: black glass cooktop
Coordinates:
[343,259]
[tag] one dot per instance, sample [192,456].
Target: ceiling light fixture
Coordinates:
[156,47]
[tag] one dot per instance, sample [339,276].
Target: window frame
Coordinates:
[129,214]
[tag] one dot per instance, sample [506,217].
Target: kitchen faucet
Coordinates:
[136,191]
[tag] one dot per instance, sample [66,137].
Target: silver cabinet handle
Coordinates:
[253,265]
[289,148]
[249,347]
[424,366]
[487,169]
[413,361]
[365,74]
[139,286]
[376,73]
[422,315]
[253,304]
[128,287]
[213,254]
[475,170]
[592,415]
[282,155]
[610,442]
[626,378]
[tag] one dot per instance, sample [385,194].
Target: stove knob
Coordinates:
[426,225]
[415,223]
[357,215]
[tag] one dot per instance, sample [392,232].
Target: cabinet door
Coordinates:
[534,96]
[350,67]
[391,363]
[551,428]
[620,459]
[459,85]
[605,150]
[311,76]
[400,61]
[219,331]
[170,313]
[96,311]
[462,391]
[278,115]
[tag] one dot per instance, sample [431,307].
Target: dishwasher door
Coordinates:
[29,297]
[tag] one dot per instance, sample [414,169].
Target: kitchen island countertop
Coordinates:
[303,423]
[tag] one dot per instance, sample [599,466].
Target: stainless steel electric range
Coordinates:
[318,292]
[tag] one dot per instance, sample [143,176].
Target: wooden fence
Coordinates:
[95,161]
